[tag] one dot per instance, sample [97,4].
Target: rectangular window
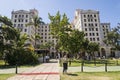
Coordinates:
[25,30]
[95,20]
[89,29]
[14,25]
[90,39]
[93,39]
[90,34]
[18,20]
[92,29]
[19,15]
[84,20]
[86,34]
[93,34]
[15,16]
[96,29]
[15,20]
[18,25]
[97,34]
[84,15]
[26,16]
[97,39]
[94,15]
[85,29]
[21,25]
[96,24]
[26,20]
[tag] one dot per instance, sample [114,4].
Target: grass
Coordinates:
[76,63]
[3,66]
[91,76]
[5,76]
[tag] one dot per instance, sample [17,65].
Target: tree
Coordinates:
[113,38]
[59,27]
[13,45]
[7,33]
[36,21]
[92,48]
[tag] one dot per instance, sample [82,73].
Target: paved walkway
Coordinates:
[45,71]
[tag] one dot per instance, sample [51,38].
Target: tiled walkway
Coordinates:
[46,71]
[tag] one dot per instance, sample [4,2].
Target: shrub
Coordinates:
[22,57]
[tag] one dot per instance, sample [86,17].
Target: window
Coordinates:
[45,40]
[89,25]
[90,34]
[85,24]
[91,20]
[41,40]
[95,20]
[86,34]
[14,25]
[26,16]
[97,34]
[90,15]
[45,33]
[93,39]
[15,16]
[21,25]
[19,15]
[26,20]
[22,20]
[84,20]
[89,29]
[84,15]
[90,39]
[92,29]
[18,25]
[18,20]
[96,29]
[93,34]
[97,39]
[94,15]
[25,30]
[96,24]
[41,33]
[15,20]
[85,29]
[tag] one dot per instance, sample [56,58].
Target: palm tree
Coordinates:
[36,21]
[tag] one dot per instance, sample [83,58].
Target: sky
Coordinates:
[109,9]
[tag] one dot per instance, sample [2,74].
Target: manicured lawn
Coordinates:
[101,62]
[5,76]
[91,76]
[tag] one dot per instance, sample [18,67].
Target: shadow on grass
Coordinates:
[71,74]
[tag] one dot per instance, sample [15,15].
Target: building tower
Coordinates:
[20,20]
[89,22]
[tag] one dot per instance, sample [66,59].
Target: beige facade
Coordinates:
[89,22]
[20,20]
[46,37]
